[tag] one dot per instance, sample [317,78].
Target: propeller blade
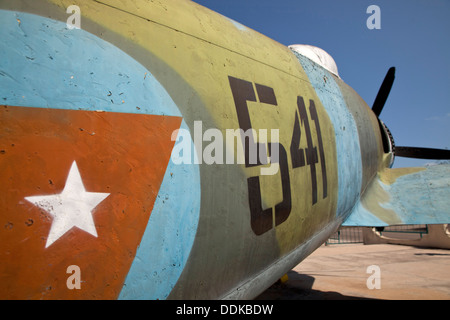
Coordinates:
[422,153]
[383,93]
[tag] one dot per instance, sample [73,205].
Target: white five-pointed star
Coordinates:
[71,208]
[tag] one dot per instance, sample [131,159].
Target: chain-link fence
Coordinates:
[347,235]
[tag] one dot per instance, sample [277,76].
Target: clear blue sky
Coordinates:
[414,37]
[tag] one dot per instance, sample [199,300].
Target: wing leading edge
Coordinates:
[405,196]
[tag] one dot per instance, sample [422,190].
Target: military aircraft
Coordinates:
[154,149]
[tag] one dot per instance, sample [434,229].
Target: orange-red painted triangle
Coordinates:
[123,155]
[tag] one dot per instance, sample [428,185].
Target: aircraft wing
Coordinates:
[405,196]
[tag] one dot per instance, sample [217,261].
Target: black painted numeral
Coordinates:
[298,154]
[314,116]
[262,219]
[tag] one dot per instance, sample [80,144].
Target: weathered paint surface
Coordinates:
[46,65]
[405,196]
[369,137]
[349,161]
[39,147]
[65,69]
[168,239]
[71,208]
[190,231]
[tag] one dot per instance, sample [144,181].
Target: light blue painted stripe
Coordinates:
[169,237]
[421,197]
[239,26]
[361,217]
[416,198]
[347,142]
[39,57]
[44,64]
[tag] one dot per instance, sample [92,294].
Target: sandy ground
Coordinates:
[340,272]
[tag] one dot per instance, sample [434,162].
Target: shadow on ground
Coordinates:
[299,287]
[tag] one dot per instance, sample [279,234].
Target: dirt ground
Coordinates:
[341,272]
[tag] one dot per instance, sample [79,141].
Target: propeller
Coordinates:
[422,153]
[384,91]
[407,152]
